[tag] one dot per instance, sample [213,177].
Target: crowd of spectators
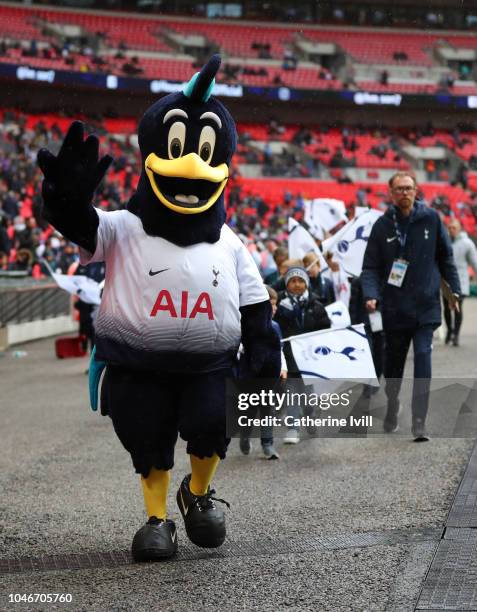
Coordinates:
[26,239]
[307,152]
[82,54]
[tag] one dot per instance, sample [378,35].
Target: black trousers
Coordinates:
[453,318]
[397,343]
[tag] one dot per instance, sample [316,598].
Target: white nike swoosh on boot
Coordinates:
[184,507]
[391,239]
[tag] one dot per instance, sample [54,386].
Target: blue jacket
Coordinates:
[323,288]
[277,329]
[429,253]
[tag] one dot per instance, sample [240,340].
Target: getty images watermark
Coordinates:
[335,408]
[269,400]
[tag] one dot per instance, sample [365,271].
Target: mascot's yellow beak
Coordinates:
[186,185]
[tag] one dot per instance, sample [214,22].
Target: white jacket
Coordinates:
[465,255]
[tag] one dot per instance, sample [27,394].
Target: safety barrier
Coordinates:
[31,309]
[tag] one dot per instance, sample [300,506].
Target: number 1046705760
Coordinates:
[40,597]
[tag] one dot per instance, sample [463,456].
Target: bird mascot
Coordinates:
[181,294]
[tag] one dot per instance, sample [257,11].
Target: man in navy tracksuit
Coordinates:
[407,253]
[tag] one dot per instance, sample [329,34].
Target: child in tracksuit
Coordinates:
[266,433]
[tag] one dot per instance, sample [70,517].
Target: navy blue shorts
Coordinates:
[150,409]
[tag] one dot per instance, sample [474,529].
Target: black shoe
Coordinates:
[455,341]
[448,336]
[204,522]
[157,539]
[390,424]
[245,446]
[419,430]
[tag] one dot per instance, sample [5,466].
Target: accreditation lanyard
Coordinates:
[400,265]
[401,235]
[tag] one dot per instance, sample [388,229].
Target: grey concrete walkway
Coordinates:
[334,525]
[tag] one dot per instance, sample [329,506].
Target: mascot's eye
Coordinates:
[205,151]
[176,147]
[207,143]
[176,139]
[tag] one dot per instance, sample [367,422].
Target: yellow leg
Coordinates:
[203,471]
[155,488]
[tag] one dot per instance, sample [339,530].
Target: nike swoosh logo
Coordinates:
[184,507]
[151,273]
[387,239]
[174,536]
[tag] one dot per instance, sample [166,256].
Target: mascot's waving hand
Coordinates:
[181,293]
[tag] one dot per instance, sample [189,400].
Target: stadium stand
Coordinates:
[121,144]
[276,166]
[258,50]
[382,47]
[256,206]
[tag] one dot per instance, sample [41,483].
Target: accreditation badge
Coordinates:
[398,272]
[376,321]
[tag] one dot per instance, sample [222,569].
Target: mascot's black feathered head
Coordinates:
[187,141]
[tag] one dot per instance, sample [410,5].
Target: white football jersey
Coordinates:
[168,306]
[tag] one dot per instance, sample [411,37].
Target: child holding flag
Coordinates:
[266,436]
